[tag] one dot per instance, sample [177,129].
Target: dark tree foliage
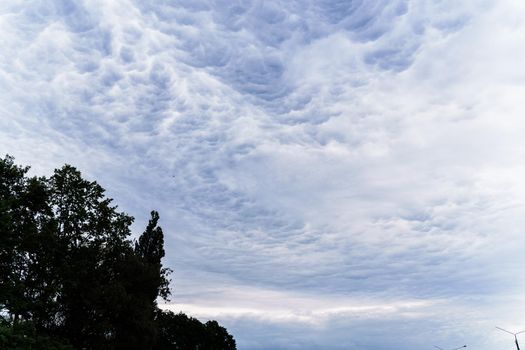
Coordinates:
[27,270]
[23,336]
[218,337]
[150,248]
[68,269]
[178,332]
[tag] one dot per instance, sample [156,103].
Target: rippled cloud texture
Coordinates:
[331,174]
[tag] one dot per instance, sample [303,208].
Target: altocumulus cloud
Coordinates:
[331,174]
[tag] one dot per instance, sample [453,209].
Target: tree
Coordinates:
[95,243]
[145,280]
[150,248]
[218,337]
[23,336]
[180,332]
[71,277]
[67,264]
[27,288]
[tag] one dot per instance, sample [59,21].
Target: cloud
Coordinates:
[359,152]
[280,320]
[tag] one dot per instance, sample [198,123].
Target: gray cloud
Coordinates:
[341,149]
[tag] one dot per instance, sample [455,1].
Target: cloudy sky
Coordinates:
[330,174]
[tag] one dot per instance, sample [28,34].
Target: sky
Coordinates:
[330,174]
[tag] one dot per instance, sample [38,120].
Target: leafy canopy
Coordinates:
[70,276]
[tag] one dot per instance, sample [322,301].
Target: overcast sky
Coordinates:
[330,174]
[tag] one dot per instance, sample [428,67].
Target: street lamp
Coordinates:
[514,334]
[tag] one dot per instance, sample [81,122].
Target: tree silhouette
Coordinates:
[178,332]
[69,270]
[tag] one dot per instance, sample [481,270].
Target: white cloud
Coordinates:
[287,307]
[340,149]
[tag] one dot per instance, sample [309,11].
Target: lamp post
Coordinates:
[514,334]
